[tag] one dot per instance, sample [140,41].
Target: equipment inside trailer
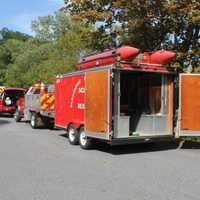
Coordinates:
[143,104]
[140,93]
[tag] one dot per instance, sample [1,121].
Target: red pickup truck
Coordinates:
[9,98]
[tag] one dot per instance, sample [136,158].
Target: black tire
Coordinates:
[84,141]
[73,135]
[35,120]
[51,125]
[17,116]
[48,123]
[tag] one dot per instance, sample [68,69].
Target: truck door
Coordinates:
[97,103]
[189,105]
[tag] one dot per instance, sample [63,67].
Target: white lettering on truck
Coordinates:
[74,92]
[81,90]
[81,106]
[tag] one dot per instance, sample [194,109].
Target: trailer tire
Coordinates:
[34,122]
[84,141]
[73,135]
[17,116]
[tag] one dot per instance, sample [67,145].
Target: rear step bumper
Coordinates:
[121,141]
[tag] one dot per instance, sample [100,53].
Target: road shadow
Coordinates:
[190,145]
[5,115]
[141,147]
[133,148]
[136,148]
[3,122]
[65,135]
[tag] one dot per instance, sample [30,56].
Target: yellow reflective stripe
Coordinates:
[52,107]
[49,101]
[43,97]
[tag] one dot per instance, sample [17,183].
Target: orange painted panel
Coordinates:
[190,102]
[96,102]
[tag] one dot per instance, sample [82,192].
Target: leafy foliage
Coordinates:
[85,26]
[56,48]
[148,25]
[6,34]
[10,44]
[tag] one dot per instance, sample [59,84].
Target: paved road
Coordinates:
[41,165]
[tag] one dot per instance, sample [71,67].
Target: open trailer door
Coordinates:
[189,105]
[97,103]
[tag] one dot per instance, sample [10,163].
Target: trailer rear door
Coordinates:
[97,103]
[189,105]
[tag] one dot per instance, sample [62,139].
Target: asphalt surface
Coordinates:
[41,165]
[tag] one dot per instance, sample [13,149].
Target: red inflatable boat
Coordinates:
[124,53]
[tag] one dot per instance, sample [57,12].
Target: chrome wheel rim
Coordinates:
[83,138]
[71,134]
[32,120]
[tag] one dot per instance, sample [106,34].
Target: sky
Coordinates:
[17,15]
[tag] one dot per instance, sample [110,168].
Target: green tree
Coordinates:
[21,71]
[6,34]
[70,39]
[148,25]
[57,48]
[4,61]
[10,44]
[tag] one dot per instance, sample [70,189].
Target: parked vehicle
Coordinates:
[9,98]
[120,97]
[19,113]
[38,106]
[120,103]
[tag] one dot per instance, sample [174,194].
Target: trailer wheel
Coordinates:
[84,141]
[73,135]
[17,116]
[34,120]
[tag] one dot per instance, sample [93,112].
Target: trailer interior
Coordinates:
[144,105]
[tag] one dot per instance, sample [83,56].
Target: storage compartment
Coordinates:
[140,93]
[144,102]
